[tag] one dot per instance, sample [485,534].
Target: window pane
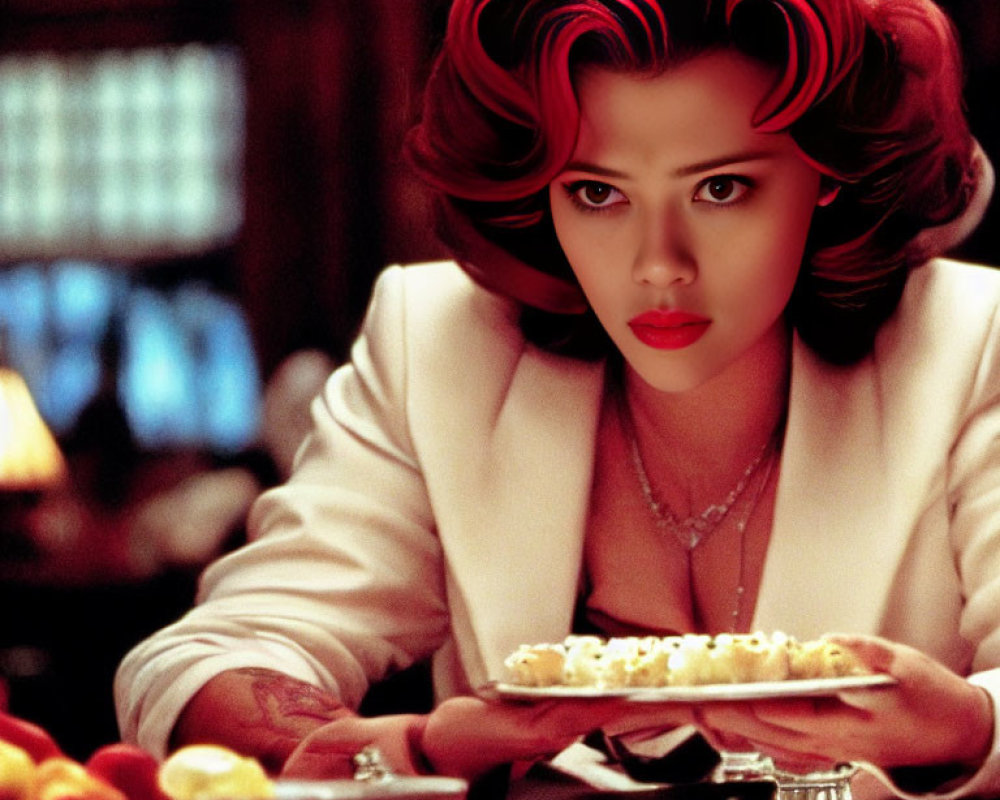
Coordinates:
[121,154]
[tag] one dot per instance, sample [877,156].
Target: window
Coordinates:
[109,159]
[120,153]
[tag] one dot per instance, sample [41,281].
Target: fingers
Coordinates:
[879,655]
[627,717]
[801,715]
[322,755]
[727,742]
[786,717]
[328,752]
[797,733]
[466,737]
[788,757]
[317,764]
[882,700]
[873,725]
[572,719]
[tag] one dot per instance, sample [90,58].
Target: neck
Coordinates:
[722,421]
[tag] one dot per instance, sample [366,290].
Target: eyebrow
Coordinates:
[681,172]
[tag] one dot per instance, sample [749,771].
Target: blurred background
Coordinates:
[195,198]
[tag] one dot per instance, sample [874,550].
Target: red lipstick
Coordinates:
[668,329]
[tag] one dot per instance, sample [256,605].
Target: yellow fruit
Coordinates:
[212,772]
[60,778]
[16,771]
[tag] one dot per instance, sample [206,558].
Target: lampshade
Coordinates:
[30,459]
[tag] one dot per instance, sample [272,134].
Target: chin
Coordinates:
[671,378]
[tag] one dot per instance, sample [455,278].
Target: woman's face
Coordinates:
[684,226]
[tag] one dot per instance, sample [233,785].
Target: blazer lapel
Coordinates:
[515,538]
[836,539]
[844,507]
[836,530]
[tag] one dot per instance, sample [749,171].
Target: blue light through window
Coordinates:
[186,372]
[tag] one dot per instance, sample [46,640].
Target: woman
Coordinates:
[696,371]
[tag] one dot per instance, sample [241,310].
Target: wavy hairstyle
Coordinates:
[869,89]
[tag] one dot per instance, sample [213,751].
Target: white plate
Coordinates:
[764,690]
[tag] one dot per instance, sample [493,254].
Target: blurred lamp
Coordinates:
[30,459]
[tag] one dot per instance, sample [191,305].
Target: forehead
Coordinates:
[697,110]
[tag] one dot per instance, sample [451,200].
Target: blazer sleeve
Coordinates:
[973,486]
[974,505]
[342,581]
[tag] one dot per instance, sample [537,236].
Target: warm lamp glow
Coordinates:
[29,456]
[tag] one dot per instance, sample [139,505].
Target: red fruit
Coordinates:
[129,769]
[29,737]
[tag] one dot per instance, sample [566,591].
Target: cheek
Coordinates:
[779,244]
[598,280]
[584,248]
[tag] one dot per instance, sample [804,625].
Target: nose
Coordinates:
[665,254]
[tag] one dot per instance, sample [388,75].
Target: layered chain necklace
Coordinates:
[694,529]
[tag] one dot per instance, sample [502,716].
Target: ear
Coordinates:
[828,191]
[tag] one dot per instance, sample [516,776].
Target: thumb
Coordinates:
[878,656]
[875,653]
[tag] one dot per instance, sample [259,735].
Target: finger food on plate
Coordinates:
[683,660]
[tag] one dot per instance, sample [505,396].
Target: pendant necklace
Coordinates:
[693,530]
[741,527]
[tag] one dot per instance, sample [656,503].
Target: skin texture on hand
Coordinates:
[296,730]
[468,736]
[954,718]
[328,752]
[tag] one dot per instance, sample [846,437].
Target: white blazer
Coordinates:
[440,503]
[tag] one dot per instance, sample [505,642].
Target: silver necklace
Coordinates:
[741,527]
[693,530]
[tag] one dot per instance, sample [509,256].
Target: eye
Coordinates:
[594,195]
[723,190]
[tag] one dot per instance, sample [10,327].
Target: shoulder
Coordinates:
[945,286]
[452,354]
[948,308]
[440,288]
[942,282]
[431,323]
[938,351]
[440,328]
[438,301]
[938,357]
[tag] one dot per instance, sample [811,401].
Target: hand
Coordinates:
[954,718]
[467,736]
[328,751]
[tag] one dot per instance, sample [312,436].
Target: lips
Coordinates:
[669,329]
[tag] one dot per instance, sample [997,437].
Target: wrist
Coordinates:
[332,750]
[419,761]
[976,745]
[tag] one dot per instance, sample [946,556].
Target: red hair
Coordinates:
[869,89]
